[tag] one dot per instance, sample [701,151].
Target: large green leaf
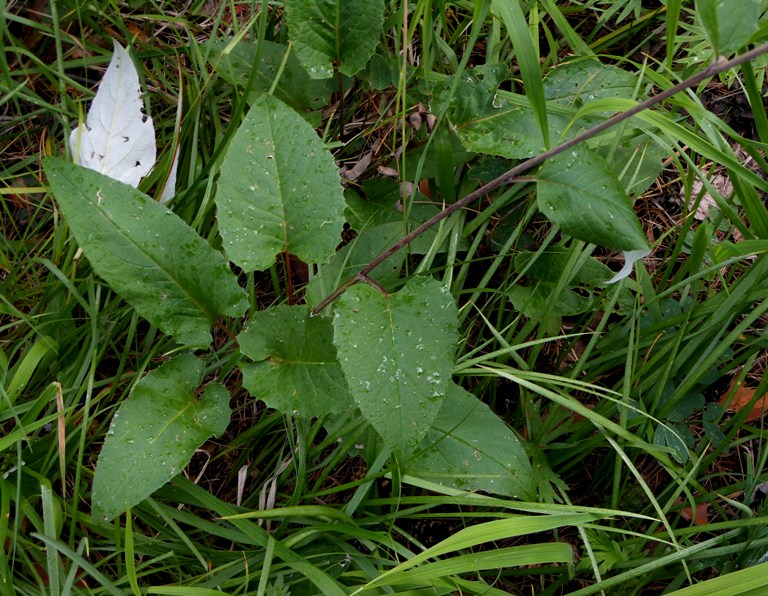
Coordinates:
[276,63]
[469,448]
[171,276]
[279,190]
[470,95]
[579,191]
[396,352]
[510,131]
[155,433]
[296,370]
[328,33]
[490,120]
[729,24]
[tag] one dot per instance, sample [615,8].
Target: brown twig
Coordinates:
[721,65]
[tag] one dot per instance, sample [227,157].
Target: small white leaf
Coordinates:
[117,139]
[630,258]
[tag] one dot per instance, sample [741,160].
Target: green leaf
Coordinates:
[382,71]
[579,191]
[279,190]
[150,257]
[446,146]
[482,121]
[296,370]
[470,95]
[490,120]
[543,271]
[352,257]
[294,86]
[155,433]
[383,205]
[510,131]
[729,24]
[328,33]
[676,436]
[581,81]
[639,162]
[469,448]
[487,121]
[397,352]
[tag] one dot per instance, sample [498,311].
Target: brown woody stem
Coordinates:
[721,65]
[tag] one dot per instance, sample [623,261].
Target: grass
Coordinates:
[614,389]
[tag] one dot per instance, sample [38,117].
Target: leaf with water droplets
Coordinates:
[333,32]
[468,447]
[397,352]
[155,432]
[489,119]
[579,191]
[579,82]
[295,369]
[279,190]
[146,253]
[485,121]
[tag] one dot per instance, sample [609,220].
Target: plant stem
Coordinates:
[512,175]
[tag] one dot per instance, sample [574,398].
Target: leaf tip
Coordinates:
[630,258]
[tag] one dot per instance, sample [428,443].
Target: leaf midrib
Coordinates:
[201,306]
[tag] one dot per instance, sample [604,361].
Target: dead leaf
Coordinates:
[759,495]
[424,188]
[721,184]
[736,401]
[702,514]
[701,517]
[389,172]
[117,138]
[358,169]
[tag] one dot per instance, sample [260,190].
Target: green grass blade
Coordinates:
[528,60]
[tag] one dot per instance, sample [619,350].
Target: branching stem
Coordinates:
[512,175]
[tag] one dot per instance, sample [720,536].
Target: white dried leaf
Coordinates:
[117,139]
[630,258]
